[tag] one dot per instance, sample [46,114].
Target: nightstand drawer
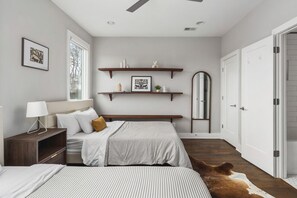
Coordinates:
[56,158]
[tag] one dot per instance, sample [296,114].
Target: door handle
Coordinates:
[243,109]
[233,105]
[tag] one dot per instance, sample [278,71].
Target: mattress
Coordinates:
[123,182]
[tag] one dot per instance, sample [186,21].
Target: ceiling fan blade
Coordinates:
[196,0]
[137,5]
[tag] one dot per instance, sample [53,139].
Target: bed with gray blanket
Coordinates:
[132,143]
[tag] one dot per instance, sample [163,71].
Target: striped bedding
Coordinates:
[124,182]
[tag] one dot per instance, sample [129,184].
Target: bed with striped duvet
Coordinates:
[124,182]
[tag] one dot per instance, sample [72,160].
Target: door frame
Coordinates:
[236,53]
[279,35]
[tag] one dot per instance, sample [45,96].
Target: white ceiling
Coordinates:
[162,18]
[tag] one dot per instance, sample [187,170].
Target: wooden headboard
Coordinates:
[1,138]
[63,107]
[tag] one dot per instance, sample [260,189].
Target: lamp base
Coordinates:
[37,130]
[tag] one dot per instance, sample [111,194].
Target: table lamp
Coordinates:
[36,110]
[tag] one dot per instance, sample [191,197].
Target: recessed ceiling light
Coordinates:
[190,29]
[110,22]
[200,22]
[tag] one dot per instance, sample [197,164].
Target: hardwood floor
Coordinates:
[216,152]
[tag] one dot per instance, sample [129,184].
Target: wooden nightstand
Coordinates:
[27,149]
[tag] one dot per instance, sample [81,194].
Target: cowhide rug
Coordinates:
[222,182]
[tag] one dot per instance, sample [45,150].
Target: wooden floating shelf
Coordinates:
[146,93]
[142,117]
[171,70]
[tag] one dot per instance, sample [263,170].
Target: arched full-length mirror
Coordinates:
[201,98]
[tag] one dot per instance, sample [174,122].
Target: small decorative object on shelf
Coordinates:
[164,89]
[155,64]
[125,65]
[119,87]
[158,88]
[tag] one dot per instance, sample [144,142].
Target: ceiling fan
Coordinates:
[140,3]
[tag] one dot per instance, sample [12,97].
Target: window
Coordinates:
[77,67]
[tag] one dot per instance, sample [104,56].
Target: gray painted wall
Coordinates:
[259,24]
[42,22]
[192,54]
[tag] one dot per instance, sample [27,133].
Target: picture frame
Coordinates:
[35,55]
[141,83]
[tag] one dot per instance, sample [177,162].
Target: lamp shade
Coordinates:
[36,109]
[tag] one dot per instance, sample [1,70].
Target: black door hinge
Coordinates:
[276,50]
[222,126]
[276,101]
[276,154]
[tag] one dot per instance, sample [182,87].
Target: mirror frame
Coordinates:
[210,90]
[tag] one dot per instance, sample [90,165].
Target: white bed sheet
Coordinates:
[18,182]
[123,182]
[75,142]
[94,149]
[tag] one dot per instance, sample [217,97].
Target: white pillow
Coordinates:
[85,119]
[69,121]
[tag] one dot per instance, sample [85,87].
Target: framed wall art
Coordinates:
[141,83]
[35,55]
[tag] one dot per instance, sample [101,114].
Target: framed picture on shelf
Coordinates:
[35,55]
[141,83]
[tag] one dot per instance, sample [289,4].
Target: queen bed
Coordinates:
[121,143]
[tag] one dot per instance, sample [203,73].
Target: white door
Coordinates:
[230,77]
[257,104]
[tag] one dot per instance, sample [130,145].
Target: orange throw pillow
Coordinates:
[99,124]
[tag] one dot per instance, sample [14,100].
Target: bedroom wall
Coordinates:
[192,54]
[258,24]
[42,22]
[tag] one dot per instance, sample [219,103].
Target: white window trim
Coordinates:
[86,72]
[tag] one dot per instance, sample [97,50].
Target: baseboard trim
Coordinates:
[200,135]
